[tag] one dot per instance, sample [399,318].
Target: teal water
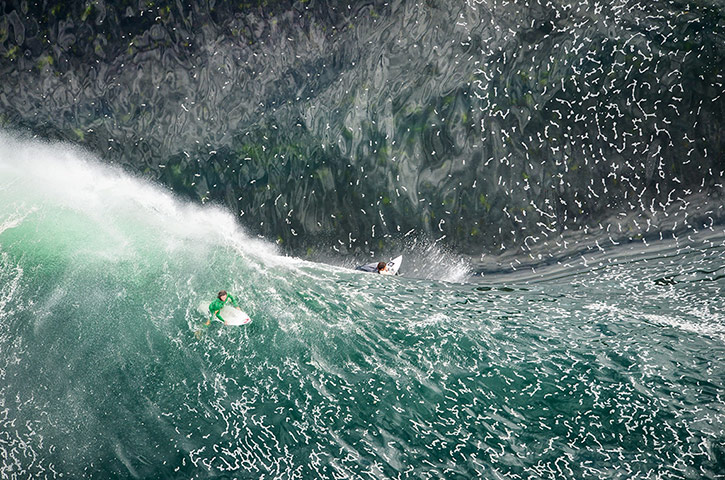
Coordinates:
[551,171]
[610,367]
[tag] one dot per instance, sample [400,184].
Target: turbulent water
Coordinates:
[609,369]
[551,171]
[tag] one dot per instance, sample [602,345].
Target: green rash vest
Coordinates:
[218,304]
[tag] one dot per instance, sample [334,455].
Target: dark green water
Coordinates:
[340,127]
[551,171]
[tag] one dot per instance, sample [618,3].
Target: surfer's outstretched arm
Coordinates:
[234,301]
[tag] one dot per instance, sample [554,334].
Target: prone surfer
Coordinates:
[380,267]
[215,307]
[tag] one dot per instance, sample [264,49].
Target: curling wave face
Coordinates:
[489,127]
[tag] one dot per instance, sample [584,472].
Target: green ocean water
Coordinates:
[552,173]
[611,367]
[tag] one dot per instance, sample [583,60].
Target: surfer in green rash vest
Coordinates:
[215,307]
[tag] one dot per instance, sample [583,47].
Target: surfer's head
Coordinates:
[381,266]
[222,294]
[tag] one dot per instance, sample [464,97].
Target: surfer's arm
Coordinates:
[234,301]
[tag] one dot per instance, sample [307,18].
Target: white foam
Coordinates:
[708,327]
[59,177]
[10,276]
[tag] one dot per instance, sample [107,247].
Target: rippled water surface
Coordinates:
[552,173]
[607,371]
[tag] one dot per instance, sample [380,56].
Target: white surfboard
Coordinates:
[233,317]
[394,265]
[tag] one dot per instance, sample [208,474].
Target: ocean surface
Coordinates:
[611,368]
[551,172]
